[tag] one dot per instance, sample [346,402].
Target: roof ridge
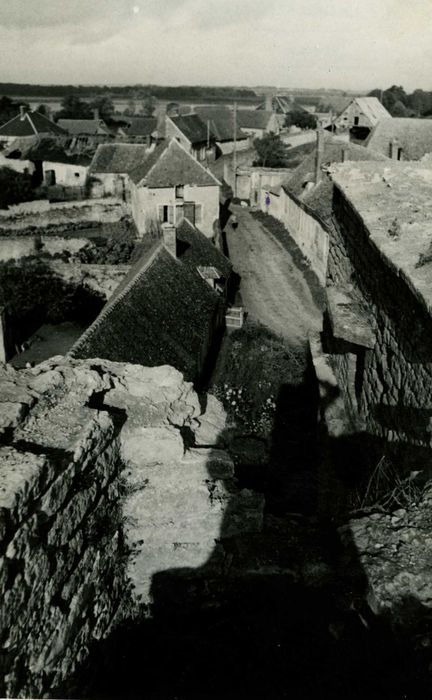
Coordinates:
[206,170]
[31,122]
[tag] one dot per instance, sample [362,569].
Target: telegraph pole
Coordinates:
[235,148]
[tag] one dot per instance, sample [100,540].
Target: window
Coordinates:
[179,191]
[76,174]
[356,121]
[166,214]
[399,153]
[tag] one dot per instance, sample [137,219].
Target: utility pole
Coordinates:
[235,148]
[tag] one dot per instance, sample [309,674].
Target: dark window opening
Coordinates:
[356,121]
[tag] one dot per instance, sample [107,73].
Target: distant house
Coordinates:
[401,138]
[221,123]
[85,133]
[48,161]
[111,164]
[139,130]
[27,125]
[163,312]
[362,112]
[256,123]
[170,185]
[193,134]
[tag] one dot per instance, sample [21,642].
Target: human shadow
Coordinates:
[279,609]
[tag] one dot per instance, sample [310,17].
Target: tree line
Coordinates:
[402,104]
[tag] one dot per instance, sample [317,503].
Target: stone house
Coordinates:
[401,138]
[256,123]
[85,134]
[110,167]
[378,327]
[362,112]
[163,313]
[221,122]
[170,185]
[193,134]
[28,125]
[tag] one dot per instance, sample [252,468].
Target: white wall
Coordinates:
[115,184]
[346,119]
[307,232]
[145,203]
[67,174]
[20,166]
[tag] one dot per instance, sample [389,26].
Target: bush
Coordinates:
[14,187]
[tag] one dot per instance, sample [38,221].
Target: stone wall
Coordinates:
[393,379]
[102,279]
[44,213]
[99,493]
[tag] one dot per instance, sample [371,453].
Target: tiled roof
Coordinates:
[162,313]
[319,197]
[253,118]
[140,126]
[118,157]
[192,127]
[221,123]
[194,249]
[87,127]
[169,165]
[414,136]
[30,124]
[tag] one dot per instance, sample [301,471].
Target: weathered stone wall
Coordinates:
[98,494]
[102,279]
[43,213]
[394,378]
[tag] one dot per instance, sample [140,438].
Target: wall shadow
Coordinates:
[276,612]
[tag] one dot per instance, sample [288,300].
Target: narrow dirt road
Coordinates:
[274,289]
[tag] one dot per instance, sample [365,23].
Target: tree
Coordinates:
[302,119]
[43,109]
[173,109]
[14,187]
[400,110]
[148,106]
[104,105]
[130,109]
[74,108]
[271,151]
[9,109]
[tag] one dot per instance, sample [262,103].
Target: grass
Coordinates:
[387,489]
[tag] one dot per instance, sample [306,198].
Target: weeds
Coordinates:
[387,489]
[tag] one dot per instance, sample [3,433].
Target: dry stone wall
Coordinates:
[393,380]
[98,494]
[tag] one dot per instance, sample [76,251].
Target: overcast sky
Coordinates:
[350,44]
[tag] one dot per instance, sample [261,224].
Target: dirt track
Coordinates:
[274,290]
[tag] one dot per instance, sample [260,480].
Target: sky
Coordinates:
[345,44]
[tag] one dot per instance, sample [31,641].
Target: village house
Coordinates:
[110,167]
[138,130]
[193,134]
[85,134]
[362,114]
[170,185]
[27,125]
[221,121]
[401,138]
[164,312]
[47,161]
[257,123]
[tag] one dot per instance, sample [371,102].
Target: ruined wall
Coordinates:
[102,279]
[394,378]
[99,493]
[43,213]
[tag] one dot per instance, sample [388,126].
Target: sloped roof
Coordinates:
[192,126]
[194,249]
[88,127]
[44,148]
[168,165]
[221,123]
[161,314]
[253,118]
[140,126]
[30,124]
[371,108]
[319,197]
[414,136]
[118,157]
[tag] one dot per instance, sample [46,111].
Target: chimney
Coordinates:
[96,113]
[170,238]
[319,154]
[393,149]
[269,103]
[22,112]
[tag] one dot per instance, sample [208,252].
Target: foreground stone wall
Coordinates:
[98,494]
[391,382]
